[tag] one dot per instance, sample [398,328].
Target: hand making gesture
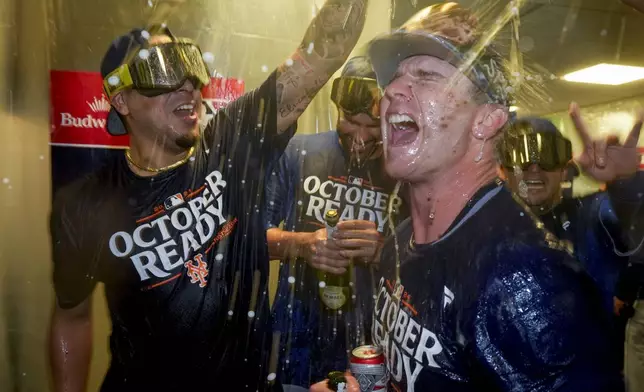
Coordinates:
[606,159]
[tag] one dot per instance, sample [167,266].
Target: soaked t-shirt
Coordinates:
[591,226]
[313,176]
[183,258]
[491,306]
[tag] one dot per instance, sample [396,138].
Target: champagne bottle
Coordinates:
[335,290]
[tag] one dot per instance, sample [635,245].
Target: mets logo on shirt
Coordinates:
[177,237]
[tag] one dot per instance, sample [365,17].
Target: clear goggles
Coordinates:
[355,95]
[159,69]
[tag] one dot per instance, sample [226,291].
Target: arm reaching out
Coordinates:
[328,41]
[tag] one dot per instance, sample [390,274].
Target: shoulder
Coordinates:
[84,194]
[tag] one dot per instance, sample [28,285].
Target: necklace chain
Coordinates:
[160,169]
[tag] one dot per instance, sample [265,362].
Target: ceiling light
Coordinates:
[514,108]
[611,74]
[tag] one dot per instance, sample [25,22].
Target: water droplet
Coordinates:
[219,257]
[303,152]
[144,54]
[288,361]
[251,314]
[340,312]
[230,312]
[353,296]
[264,68]
[271,377]
[5,180]
[208,57]
[243,181]
[150,4]
[291,279]
[144,33]
[322,285]
[350,284]
[299,202]
[42,157]
[521,214]
[309,50]
[603,33]
[288,306]
[113,80]
[289,62]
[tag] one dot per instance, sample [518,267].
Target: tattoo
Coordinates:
[300,104]
[335,29]
[326,46]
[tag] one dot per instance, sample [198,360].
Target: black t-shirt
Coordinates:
[493,305]
[183,258]
[313,176]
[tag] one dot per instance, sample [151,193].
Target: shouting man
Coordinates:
[173,228]
[343,170]
[474,294]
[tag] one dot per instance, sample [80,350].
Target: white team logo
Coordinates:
[355,181]
[173,201]
[448,296]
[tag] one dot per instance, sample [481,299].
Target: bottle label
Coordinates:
[333,297]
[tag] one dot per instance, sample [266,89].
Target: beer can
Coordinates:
[368,367]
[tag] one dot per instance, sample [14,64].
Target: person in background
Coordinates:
[473,286]
[534,157]
[340,169]
[172,228]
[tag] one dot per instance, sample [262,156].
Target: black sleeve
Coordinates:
[249,124]
[75,259]
[540,326]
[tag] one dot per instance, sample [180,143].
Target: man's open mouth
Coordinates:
[535,184]
[186,112]
[403,129]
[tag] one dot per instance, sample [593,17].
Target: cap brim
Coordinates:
[387,52]
[115,126]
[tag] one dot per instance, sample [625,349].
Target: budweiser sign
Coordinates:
[79,108]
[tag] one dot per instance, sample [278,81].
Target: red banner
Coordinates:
[641,150]
[79,108]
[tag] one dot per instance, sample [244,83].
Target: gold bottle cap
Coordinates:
[331,217]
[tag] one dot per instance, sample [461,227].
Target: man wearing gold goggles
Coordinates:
[340,169]
[173,227]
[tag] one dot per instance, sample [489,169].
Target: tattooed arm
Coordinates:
[326,46]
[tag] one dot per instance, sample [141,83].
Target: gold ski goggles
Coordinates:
[355,95]
[547,149]
[159,69]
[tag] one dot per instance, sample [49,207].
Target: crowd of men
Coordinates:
[466,263]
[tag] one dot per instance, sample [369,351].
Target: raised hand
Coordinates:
[606,159]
